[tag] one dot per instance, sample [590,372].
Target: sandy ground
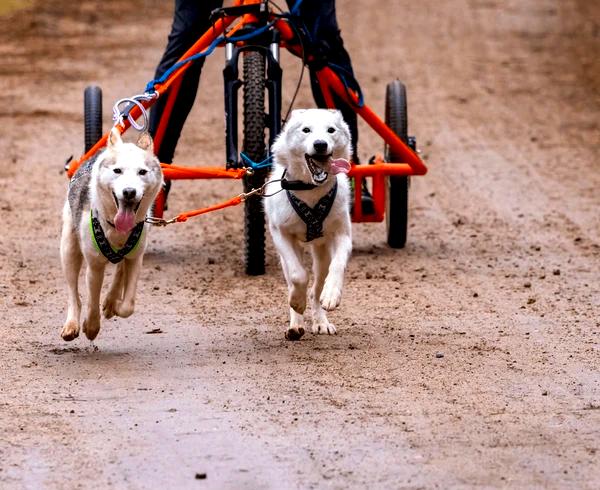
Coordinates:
[500,276]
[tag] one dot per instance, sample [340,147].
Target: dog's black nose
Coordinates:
[320,146]
[129,193]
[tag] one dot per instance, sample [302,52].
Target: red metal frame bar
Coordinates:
[161,198]
[176,172]
[330,83]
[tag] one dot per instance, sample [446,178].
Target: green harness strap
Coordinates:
[105,248]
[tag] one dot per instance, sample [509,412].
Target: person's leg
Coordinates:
[320,22]
[319,18]
[190,21]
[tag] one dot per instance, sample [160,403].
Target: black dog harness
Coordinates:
[313,217]
[104,246]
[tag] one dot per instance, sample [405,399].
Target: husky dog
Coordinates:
[103,221]
[311,157]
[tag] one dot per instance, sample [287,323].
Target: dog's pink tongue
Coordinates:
[124,220]
[340,166]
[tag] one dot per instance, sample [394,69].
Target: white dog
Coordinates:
[103,221]
[312,148]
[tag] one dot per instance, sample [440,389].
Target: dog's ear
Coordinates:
[114,139]
[145,142]
[296,113]
[339,117]
[294,121]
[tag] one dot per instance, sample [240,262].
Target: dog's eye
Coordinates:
[306,130]
[117,170]
[142,171]
[331,130]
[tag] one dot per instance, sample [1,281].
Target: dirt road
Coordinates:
[469,359]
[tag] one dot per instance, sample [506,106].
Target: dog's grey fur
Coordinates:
[79,191]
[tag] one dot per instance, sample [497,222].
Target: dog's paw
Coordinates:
[331,296]
[91,327]
[109,307]
[116,307]
[323,327]
[70,331]
[125,309]
[294,333]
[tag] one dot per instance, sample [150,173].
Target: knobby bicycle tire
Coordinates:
[255,148]
[396,117]
[92,116]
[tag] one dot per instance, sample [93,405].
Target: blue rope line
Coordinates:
[256,165]
[296,7]
[252,34]
[150,85]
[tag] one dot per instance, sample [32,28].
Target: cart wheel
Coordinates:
[396,118]
[92,115]
[254,146]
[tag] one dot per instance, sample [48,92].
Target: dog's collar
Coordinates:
[313,217]
[296,185]
[105,248]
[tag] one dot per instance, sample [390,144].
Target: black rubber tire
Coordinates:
[254,146]
[396,117]
[92,116]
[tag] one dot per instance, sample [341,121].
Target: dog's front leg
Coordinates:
[115,293]
[71,259]
[341,248]
[94,278]
[321,260]
[131,274]
[296,276]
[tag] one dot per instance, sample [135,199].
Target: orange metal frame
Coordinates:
[330,84]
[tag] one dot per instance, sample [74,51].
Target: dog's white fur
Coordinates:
[99,191]
[331,252]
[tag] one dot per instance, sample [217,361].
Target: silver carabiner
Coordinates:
[118,115]
[264,186]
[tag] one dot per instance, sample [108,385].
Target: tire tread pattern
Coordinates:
[254,146]
[396,117]
[92,116]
